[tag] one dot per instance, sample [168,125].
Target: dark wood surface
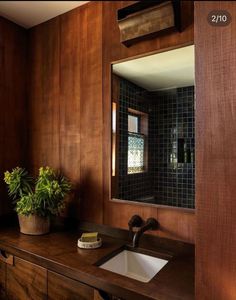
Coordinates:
[7,259]
[176,224]
[63,288]
[26,281]
[2,280]
[215,154]
[91,114]
[69,102]
[13,116]
[43,93]
[65,104]
[58,252]
[146,241]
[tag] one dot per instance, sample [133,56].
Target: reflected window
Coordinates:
[136,143]
[133,123]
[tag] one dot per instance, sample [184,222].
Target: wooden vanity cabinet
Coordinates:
[20,279]
[64,288]
[25,281]
[2,280]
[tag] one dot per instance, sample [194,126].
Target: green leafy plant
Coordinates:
[43,196]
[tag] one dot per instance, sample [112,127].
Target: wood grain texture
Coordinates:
[70,108]
[6,258]
[13,117]
[97,296]
[70,104]
[146,23]
[65,104]
[175,224]
[26,281]
[64,288]
[91,114]
[215,149]
[44,93]
[2,280]
[63,257]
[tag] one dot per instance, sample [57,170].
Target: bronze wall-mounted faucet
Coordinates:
[150,224]
[135,221]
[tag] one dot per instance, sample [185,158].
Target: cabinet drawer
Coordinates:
[2,280]
[26,281]
[6,257]
[63,288]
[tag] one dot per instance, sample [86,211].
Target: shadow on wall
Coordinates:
[84,200]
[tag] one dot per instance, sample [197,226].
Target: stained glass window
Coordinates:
[135,153]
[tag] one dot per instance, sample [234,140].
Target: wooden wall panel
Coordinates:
[70,104]
[91,113]
[44,95]
[65,104]
[13,116]
[216,144]
[176,224]
[70,66]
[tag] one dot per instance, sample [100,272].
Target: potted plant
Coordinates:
[36,200]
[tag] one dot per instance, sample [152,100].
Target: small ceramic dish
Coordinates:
[90,245]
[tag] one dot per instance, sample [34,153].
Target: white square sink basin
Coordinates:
[135,265]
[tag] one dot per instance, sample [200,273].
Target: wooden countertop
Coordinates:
[58,252]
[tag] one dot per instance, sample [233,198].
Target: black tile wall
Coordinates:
[132,186]
[171,130]
[169,179]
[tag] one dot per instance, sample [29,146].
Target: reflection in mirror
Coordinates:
[153,157]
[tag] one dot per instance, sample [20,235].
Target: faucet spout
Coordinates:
[136,238]
[150,224]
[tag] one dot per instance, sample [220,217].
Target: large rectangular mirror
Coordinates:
[153,149]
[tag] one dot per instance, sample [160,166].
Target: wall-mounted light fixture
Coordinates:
[146,19]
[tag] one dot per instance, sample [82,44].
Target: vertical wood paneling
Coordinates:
[44,95]
[13,116]
[215,149]
[175,224]
[70,65]
[91,113]
[66,120]
[70,104]
[69,123]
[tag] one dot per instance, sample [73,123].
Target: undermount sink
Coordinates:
[135,265]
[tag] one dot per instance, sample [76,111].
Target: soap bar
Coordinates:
[89,237]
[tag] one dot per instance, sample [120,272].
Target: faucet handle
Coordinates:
[153,223]
[135,221]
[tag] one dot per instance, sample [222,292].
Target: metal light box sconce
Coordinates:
[145,20]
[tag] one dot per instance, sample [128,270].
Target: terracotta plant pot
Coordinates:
[34,225]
